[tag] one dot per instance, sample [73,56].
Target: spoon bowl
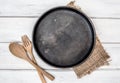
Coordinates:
[17,50]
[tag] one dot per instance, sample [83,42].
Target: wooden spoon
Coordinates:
[18,50]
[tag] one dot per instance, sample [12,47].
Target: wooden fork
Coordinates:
[28,47]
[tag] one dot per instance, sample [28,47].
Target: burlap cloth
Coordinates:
[98,57]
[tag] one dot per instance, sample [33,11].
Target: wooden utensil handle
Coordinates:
[48,75]
[44,72]
[41,77]
[41,70]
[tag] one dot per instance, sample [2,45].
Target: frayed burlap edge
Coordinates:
[98,57]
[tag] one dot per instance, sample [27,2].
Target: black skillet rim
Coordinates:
[74,10]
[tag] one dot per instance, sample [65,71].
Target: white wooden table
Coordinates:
[18,17]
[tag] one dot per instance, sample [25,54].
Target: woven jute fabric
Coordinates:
[98,57]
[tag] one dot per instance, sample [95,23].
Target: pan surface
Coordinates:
[63,37]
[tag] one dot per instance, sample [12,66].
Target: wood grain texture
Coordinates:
[61,77]
[94,8]
[107,29]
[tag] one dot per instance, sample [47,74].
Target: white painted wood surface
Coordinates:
[18,17]
[94,8]
[107,29]
[8,61]
[31,76]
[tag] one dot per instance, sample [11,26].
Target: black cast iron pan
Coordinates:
[64,37]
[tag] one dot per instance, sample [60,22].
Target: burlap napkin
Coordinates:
[98,57]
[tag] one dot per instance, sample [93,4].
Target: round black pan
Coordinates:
[64,37]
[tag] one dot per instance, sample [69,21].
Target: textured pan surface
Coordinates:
[63,37]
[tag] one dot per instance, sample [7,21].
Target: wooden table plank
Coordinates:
[8,61]
[102,8]
[107,29]
[61,77]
